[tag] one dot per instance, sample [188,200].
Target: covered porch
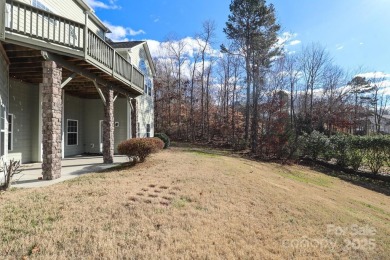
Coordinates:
[71,96]
[71,167]
[60,57]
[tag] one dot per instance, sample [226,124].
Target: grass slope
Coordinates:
[188,203]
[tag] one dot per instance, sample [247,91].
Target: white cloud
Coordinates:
[120,33]
[154,47]
[286,40]
[132,32]
[380,79]
[373,75]
[100,4]
[155,18]
[385,87]
[286,37]
[190,47]
[295,42]
[339,47]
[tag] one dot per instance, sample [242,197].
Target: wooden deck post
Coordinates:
[113,63]
[51,120]
[86,39]
[108,127]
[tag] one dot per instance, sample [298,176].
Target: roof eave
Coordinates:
[94,17]
[153,67]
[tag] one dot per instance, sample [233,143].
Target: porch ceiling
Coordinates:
[26,65]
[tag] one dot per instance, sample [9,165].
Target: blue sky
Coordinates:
[355,32]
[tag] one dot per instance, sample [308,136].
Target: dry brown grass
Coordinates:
[190,204]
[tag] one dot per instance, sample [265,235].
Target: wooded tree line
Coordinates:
[253,93]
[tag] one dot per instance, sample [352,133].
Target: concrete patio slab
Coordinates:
[72,167]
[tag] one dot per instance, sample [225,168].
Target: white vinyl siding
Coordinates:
[25,124]
[145,106]
[73,110]
[93,114]
[4,94]
[68,9]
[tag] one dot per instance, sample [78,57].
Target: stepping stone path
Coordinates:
[155,194]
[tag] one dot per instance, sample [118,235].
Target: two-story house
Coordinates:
[65,89]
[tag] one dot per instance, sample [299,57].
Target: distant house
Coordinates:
[384,126]
[65,89]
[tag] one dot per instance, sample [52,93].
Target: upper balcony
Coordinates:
[24,25]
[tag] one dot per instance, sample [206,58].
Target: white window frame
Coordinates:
[148,127]
[43,6]
[148,86]
[101,125]
[149,90]
[3,132]
[67,132]
[39,4]
[10,132]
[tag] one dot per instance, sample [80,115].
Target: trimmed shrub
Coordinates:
[164,138]
[140,148]
[340,147]
[158,144]
[354,152]
[314,145]
[355,158]
[375,150]
[347,151]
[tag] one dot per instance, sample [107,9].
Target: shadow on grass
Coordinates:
[204,149]
[377,185]
[122,166]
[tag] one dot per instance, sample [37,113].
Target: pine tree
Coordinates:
[252,26]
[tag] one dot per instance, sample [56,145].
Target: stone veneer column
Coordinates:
[134,118]
[51,120]
[108,127]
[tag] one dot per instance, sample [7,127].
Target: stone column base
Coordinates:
[108,127]
[51,120]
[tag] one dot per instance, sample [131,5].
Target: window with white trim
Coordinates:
[10,132]
[147,130]
[149,90]
[72,132]
[71,28]
[2,129]
[148,86]
[40,5]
